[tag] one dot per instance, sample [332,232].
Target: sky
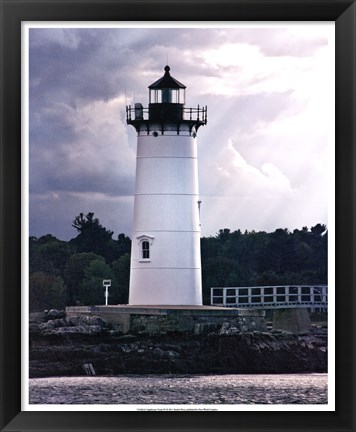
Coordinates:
[265,155]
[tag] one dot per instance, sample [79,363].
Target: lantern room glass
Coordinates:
[167,95]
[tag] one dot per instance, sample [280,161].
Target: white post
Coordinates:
[106,284]
[312,298]
[249,290]
[274,294]
[299,288]
[106,295]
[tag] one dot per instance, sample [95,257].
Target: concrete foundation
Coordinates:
[293,320]
[172,319]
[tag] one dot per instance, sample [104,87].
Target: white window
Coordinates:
[145,250]
[144,244]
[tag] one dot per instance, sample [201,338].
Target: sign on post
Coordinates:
[106,284]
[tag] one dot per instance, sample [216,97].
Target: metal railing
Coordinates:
[198,114]
[313,297]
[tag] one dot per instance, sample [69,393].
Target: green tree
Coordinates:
[74,275]
[93,237]
[46,292]
[91,289]
[220,272]
[210,248]
[318,230]
[260,258]
[223,235]
[278,251]
[123,245]
[49,255]
[121,279]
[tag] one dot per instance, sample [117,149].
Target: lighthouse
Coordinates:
[165,264]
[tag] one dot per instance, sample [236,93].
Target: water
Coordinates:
[181,389]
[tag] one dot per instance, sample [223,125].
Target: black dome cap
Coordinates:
[167,81]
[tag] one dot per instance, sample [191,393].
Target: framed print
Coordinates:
[103,104]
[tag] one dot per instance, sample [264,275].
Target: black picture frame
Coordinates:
[13,12]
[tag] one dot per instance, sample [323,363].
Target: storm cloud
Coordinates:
[264,156]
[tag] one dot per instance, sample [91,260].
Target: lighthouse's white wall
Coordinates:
[166,175]
[166,212]
[184,253]
[156,213]
[166,287]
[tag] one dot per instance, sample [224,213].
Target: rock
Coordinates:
[94,329]
[86,320]
[228,329]
[55,314]
[63,351]
[37,317]
[84,330]
[74,321]
[115,333]
[34,328]
[93,320]
[158,353]
[85,325]
[161,354]
[42,317]
[52,324]
[205,328]
[172,354]
[128,337]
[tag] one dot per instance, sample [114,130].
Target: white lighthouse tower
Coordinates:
[165,257]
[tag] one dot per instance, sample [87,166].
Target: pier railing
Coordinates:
[314,297]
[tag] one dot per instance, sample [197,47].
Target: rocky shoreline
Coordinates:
[61,346]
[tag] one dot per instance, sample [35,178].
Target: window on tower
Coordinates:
[144,247]
[145,250]
[166,96]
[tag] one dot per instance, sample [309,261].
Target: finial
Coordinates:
[167,69]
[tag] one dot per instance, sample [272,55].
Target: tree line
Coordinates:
[65,273]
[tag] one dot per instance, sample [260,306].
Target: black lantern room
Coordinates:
[167,90]
[167,97]
[166,106]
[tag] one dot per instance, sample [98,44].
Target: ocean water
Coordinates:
[181,389]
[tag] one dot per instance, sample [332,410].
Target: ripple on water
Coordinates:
[179,389]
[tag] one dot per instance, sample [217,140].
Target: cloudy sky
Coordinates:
[265,156]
